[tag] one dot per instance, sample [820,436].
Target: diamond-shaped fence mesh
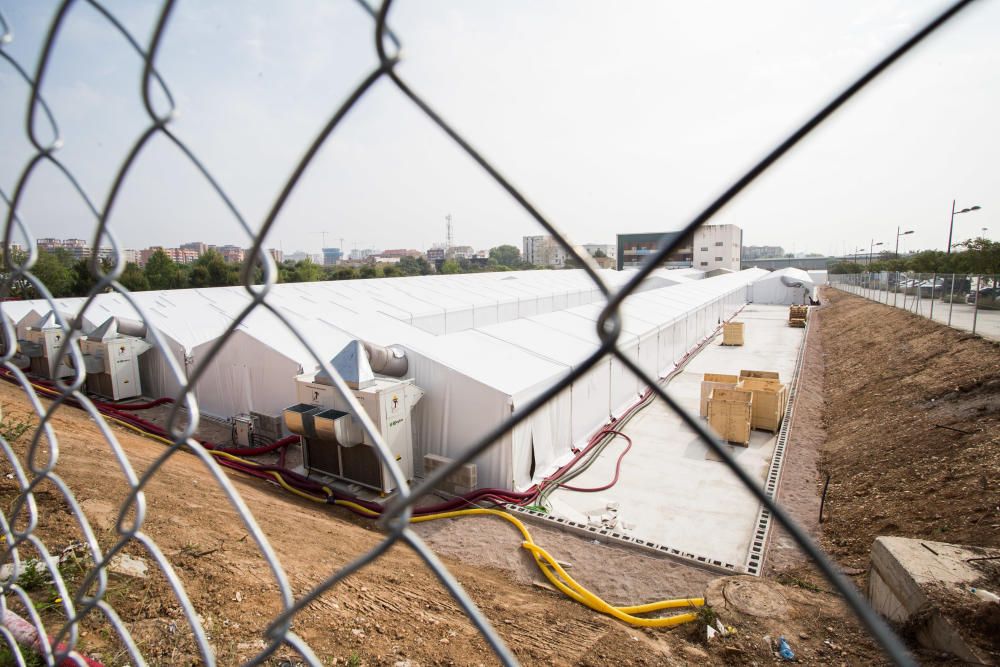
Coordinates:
[30,631]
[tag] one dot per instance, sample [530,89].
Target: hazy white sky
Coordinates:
[610,116]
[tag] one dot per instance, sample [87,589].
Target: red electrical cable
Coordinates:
[618,469]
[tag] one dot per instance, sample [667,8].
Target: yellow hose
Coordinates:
[561,579]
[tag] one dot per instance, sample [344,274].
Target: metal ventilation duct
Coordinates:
[351,363]
[115,327]
[387,360]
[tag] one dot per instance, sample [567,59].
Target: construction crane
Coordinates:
[324,236]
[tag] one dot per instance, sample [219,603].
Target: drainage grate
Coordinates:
[758,545]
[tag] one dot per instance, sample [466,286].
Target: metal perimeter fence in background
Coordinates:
[40,465]
[969,302]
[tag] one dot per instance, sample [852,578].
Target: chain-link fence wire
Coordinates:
[20,521]
[960,300]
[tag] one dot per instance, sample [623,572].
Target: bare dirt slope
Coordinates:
[901,414]
[392,611]
[912,417]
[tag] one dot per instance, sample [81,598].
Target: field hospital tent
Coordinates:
[517,336]
[785,286]
[475,379]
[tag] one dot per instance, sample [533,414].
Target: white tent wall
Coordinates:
[255,369]
[623,385]
[590,395]
[457,410]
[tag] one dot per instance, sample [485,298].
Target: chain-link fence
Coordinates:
[56,635]
[964,301]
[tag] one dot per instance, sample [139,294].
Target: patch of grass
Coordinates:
[707,616]
[34,576]
[354,660]
[8,657]
[12,428]
[789,580]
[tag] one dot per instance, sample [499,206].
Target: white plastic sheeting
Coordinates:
[785,286]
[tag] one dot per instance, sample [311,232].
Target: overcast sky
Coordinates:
[610,116]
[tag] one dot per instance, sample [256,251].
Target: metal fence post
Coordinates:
[975,304]
[933,296]
[951,299]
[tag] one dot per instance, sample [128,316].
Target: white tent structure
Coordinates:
[785,286]
[476,379]
[480,345]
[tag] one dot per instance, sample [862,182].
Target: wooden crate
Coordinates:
[798,313]
[730,413]
[732,333]
[797,323]
[770,398]
[710,382]
[766,375]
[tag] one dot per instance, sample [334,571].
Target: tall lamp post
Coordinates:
[898,234]
[871,249]
[951,227]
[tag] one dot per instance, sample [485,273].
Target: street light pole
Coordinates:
[871,249]
[898,234]
[951,227]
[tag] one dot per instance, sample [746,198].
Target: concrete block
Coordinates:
[464,477]
[903,583]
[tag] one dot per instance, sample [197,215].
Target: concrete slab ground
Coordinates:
[956,315]
[671,490]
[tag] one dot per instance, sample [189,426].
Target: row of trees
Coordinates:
[980,257]
[64,275]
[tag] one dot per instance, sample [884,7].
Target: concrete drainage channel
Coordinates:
[758,545]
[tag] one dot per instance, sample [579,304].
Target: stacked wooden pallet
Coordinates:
[797,316]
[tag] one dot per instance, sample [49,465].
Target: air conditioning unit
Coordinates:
[43,345]
[111,359]
[334,443]
[269,426]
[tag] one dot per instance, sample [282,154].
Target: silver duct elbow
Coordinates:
[384,360]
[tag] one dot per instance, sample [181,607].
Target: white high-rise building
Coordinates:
[543,251]
[717,247]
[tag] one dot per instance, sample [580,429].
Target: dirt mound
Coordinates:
[912,413]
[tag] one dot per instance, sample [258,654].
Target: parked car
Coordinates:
[931,288]
[987,296]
